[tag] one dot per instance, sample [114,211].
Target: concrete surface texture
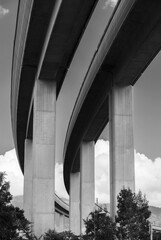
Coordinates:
[28,177]
[121,143]
[44,156]
[74,203]
[87,186]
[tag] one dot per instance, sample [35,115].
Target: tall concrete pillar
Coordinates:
[44,156]
[87,186]
[74,203]
[28,174]
[61,222]
[121,143]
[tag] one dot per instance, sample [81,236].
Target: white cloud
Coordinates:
[147,175]
[101,147]
[10,165]
[3,11]
[102,171]
[59,182]
[148,178]
[111,3]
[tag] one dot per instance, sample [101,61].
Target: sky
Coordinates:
[147,119]
[8,10]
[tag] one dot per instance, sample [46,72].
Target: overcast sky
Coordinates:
[147,119]
[8,10]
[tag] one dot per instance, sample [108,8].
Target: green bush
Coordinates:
[99,226]
[53,235]
[13,224]
[132,216]
[156,235]
[131,220]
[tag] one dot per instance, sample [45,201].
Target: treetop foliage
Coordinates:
[99,226]
[132,216]
[131,220]
[13,224]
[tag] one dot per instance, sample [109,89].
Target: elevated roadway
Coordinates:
[45,41]
[47,36]
[129,43]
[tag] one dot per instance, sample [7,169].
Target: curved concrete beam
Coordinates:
[93,93]
[32,24]
[129,44]
[61,206]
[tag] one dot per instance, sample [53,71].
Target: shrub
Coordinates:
[132,216]
[53,235]
[99,226]
[13,224]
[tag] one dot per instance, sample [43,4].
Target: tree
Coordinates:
[66,235]
[156,235]
[99,226]
[132,216]
[13,224]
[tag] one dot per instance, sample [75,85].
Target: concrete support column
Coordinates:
[61,222]
[57,219]
[44,156]
[87,186]
[121,143]
[66,223]
[28,174]
[74,203]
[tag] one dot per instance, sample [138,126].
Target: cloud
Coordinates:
[3,11]
[59,182]
[147,175]
[10,165]
[102,171]
[148,178]
[111,3]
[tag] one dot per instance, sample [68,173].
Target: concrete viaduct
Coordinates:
[48,34]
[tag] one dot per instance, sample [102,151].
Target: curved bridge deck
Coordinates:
[48,35]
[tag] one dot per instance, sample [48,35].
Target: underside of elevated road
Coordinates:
[61,207]
[47,35]
[135,42]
